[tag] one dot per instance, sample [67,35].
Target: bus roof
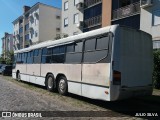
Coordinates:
[67,40]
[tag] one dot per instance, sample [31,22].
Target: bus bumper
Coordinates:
[135,92]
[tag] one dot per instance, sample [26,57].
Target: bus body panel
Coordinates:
[95,80]
[95,92]
[74,87]
[132,57]
[33,70]
[97,74]
[71,71]
[136,61]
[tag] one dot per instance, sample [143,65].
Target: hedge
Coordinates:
[156,71]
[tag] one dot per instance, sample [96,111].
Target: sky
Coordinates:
[12,9]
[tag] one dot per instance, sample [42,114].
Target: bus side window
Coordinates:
[44,53]
[36,56]
[74,52]
[90,44]
[49,55]
[102,43]
[70,48]
[58,55]
[30,57]
[98,54]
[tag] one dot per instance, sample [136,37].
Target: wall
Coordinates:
[48,22]
[147,25]
[34,23]
[72,28]
[106,12]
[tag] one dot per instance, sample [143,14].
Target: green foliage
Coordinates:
[156,72]
[2,60]
[9,58]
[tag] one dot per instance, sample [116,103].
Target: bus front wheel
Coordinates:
[50,82]
[62,86]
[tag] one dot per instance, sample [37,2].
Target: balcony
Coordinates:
[146,3]
[27,21]
[28,42]
[92,22]
[126,11]
[89,3]
[31,30]
[21,25]
[80,6]
[36,15]
[17,36]
[16,41]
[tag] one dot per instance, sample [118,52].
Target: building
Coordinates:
[94,14]
[7,44]
[126,13]
[71,17]
[37,24]
[150,9]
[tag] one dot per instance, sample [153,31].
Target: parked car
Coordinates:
[7,70]
[1,67]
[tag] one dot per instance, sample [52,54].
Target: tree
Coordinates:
[9,58]
[156,72]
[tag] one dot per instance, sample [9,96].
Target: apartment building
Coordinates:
[38,23]
[72,17]
[126,13]
[150,20]
[94,14]
[7,44]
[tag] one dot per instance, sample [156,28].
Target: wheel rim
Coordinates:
[62,85]
[50,82]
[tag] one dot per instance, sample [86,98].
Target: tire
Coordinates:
[62,85]
[18,76]
[50,83]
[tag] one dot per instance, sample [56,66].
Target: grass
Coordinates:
[75,100]
[71,99]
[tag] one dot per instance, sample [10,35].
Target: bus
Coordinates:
[110,63]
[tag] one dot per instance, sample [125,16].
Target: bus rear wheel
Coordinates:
[50,83]
[62,86]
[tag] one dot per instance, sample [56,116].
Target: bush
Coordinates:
[156,71]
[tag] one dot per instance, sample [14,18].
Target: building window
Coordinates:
[66,5]
[125,3]
[27,37]
[35,21]
[58,29]
[21,30]
[156,17]
[65,22]
[26,27]
[36,33]
[58,17]
[76,18]
[76,2]
[31,35]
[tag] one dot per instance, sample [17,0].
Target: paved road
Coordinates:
[16,96]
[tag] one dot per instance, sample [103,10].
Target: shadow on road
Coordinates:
[128,107]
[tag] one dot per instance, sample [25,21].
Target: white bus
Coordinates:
[110,64]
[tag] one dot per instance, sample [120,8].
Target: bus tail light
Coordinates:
[116,78]
[106,92]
